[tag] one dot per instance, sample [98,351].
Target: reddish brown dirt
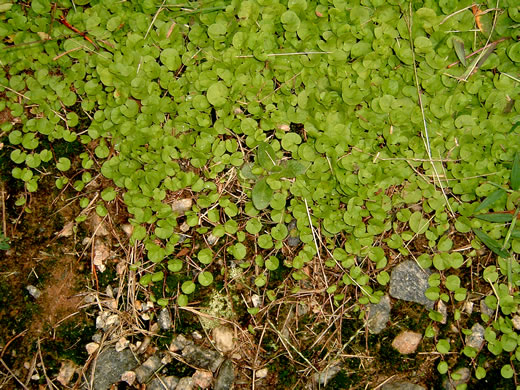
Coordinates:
[38,257]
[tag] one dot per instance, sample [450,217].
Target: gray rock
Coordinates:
[225,377]
[409,282]
[110,365]
[179,343]
[464,375]
[202,357]
[485,309]
[379,315]
[327,374]
[163,383]
[145,371]
[402,385]
[185,383]
[294,238]
[476,338]
[164,319]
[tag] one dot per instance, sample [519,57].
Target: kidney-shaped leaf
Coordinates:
[262,194]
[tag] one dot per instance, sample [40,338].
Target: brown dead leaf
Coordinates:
[67,230]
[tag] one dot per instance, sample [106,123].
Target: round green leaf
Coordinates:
[205,256]
[443,346]
[253,226]
[514,52]
[175,265]
[182,300]
[261,194]
[171,59]
[63,164]
[272,263]
[260,280]
[205,278]
[442,367]
[188,287]
[480,372]
[290,21]
[108,194]
[217,94]
[157,276]
[452,282]
[279,232]
[507,371]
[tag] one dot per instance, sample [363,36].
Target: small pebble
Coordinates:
[407,342]
[262,373]
[121,344]
[223,338]
[128,377]
[203,379]
[181,206]
[33,291]
[212,240]
[91,348]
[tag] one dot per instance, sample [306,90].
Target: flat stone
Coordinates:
[223,338]
[110,366]
[463,374]
[179,343]
[202,379]
[407,342]
[202,357]
[409,282]
[379,315]
[402,385]
[226,376]
[145,371]
[164,319]
[185,383]
[476,338]
[163,383]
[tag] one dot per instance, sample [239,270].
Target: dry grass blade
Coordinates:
[284,341]
[425,134]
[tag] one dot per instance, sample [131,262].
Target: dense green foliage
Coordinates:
[272,111]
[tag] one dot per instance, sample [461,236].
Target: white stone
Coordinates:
[121,344]
[35,293]
[180,206]
[262,373]
[256,300]
[112,320]
[128,229]
[516,322]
